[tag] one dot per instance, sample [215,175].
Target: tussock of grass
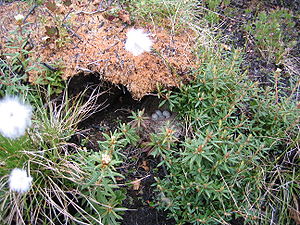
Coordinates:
[58,168]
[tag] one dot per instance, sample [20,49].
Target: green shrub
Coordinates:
[272,33]
[103,173]
[218,171]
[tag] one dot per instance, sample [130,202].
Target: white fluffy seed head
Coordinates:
[15,117]
[19,181]
[138,42]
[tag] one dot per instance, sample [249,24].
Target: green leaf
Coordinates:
[67,2]
[51,31]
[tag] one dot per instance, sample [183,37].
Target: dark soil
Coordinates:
[118,105]
[139,201]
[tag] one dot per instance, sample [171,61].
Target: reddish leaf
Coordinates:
[110,17]
[50,4]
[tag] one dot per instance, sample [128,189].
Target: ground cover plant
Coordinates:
[218,171]
[62,178]
[268,31]
[145,112]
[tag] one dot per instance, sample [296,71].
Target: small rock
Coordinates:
[166,114]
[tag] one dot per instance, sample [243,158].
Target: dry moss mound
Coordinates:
[90,37]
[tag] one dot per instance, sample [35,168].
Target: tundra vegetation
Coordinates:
[221,146]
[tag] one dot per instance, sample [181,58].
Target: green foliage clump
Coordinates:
[10,81]
[217,172]
[272,33]
[147,9]
[211,14]
[102,177]
[50,78]
[161,12]
[13,65]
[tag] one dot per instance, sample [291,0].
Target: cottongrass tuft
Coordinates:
[19,181]
[15,117]
[138,42]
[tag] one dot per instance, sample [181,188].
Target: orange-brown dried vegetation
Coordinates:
[93,41]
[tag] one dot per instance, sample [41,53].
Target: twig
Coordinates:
[137,180]
[276,75]
[49,67]
[96,62]
[84,69]
[73,33]
[110,47]
[66,16]
[30,12]
[91,13]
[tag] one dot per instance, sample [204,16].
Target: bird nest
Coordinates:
[85,37]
